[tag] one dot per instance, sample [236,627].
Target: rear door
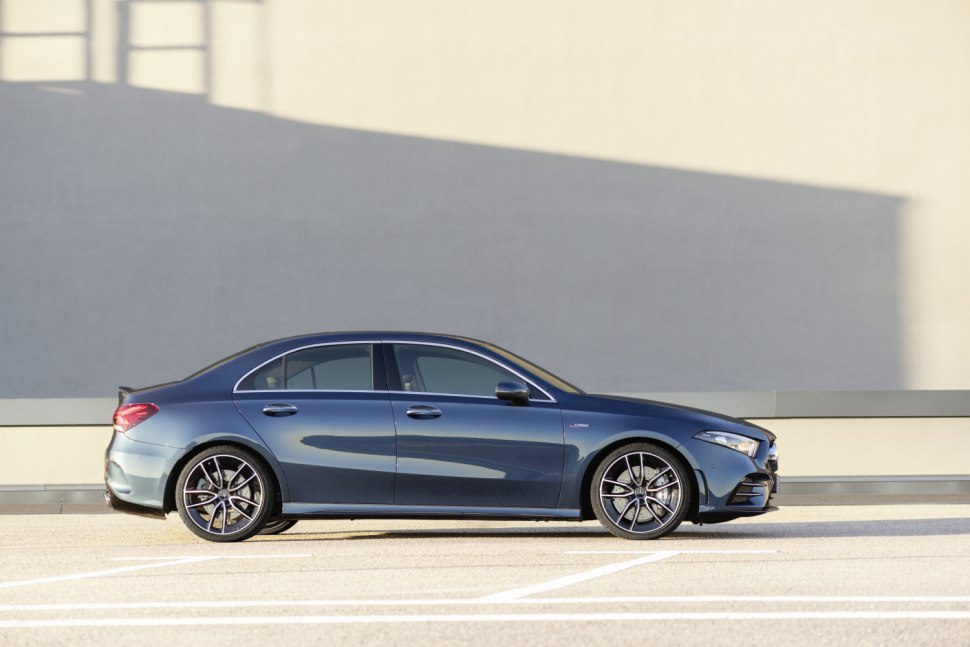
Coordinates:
[324,412]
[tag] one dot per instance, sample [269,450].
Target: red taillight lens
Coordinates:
[129,415]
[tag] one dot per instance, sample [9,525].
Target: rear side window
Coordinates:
[268,378]
[322,368]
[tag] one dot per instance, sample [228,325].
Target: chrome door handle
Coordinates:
[423,412]
[279,409]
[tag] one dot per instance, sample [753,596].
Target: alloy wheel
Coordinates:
[223,494]
[641,493]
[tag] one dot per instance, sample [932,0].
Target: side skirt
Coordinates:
[365,511]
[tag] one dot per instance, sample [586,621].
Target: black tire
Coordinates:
[277,526]
[224,493]
[640,491]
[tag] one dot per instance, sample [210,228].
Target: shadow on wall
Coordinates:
[146,234]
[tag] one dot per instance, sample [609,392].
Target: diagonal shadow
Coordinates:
[153,220]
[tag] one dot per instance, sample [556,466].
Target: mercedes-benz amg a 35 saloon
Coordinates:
[405,425]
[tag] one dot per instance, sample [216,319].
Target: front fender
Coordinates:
[588,442]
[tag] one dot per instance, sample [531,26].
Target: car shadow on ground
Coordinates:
[821,529]
[795,530]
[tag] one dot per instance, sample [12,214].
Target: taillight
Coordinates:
[129,415]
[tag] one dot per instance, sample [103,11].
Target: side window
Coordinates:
[268,378]
[433,369]
[333,368]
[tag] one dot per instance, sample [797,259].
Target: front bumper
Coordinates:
[734,485]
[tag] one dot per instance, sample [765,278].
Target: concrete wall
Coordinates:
[832,444]
[53,455]
[642,196]
[824,447]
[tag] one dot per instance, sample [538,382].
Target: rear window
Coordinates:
[345,367]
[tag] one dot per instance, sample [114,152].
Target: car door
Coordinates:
[324,412]
[458,444]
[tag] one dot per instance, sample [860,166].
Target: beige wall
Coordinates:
[868,95]
[809,447]
[53,455]
[872,446]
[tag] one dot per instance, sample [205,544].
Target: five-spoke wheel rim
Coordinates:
[223,494]
[640,492]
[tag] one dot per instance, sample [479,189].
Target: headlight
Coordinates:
[743,444]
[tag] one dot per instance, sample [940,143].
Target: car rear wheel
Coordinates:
[224,494]
[640,491]
[278,526]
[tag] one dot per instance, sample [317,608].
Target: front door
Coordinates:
[459,445]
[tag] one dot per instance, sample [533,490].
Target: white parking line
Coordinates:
[105,573]
[649,557]
[146,559]
[487,617]
[569,580]
[512,598]
[679,552]
[174,561]
[589,601]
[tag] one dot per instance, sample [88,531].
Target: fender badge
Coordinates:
[578,425]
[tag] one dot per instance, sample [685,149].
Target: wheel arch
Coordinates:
[168,502]
[586,504]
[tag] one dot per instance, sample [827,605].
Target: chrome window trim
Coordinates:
[473,352]
[454,395]
[235,388]
[311,391]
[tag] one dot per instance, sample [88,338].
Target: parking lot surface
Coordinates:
[800,576]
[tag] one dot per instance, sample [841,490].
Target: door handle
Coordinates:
[423,412]
[279,409]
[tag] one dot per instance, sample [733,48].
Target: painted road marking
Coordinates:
[655,599]
[650,556]
[679,552]
[578,577]
[105,573]
[487,617]
[177,561]
[145,559]
[515,597]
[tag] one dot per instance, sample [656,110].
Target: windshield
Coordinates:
[538,371]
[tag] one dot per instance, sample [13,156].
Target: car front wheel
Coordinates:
[224,494]
[640,491]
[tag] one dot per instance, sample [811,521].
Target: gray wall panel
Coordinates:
[146,234]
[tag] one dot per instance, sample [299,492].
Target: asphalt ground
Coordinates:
[871,575]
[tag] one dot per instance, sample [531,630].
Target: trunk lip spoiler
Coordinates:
[123,393]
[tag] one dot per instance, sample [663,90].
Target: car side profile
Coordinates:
[413,425]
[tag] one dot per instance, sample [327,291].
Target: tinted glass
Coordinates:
[267,378]
[555,380]
[331,368]
[431,369]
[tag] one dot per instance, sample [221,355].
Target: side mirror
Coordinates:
[512,391]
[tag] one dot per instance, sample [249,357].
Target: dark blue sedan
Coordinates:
[405,425]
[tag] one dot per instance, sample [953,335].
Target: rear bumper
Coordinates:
[135,475]
[131,508]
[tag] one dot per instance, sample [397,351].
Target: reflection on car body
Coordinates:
[413,425]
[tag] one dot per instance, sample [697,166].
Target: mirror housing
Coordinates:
[512,391]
